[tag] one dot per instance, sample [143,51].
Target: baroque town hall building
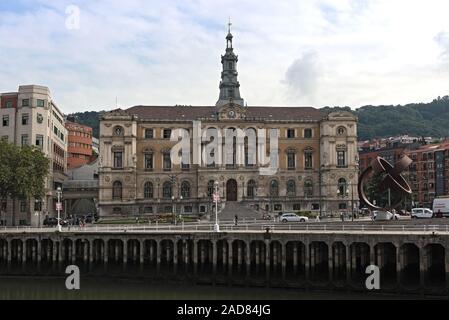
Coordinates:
[317,157]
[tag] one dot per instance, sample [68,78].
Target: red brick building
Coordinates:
[429,173]
[79,145]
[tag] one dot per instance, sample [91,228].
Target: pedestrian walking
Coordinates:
[236,220]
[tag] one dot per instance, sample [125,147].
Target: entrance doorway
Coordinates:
[231,190]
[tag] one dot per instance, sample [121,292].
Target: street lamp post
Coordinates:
[216,196]
[58,208]
[37,211]
[345,193]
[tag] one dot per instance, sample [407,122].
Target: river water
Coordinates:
[30,288]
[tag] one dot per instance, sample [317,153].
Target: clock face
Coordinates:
[231,114]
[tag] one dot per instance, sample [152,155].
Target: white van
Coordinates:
[441,207]
[421,213]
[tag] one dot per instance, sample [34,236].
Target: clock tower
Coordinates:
[229,86]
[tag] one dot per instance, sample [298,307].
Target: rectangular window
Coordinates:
[185,166]
[6,121]
[118,160]
[25,119]
[291,163]
[148,161]
[5,138]
[315,206]
[40,141]
[23,206]
[290,133]
[9,104]
[188,209]
[55,130]
[167,133]
[148,210]
[296,206]
[24,140]
[167,161]
[307,133]
[149,134]
[278,207]
[308,160]
[341,158]
[40,103]
[25,102]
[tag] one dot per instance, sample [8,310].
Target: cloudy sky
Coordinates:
[293,53]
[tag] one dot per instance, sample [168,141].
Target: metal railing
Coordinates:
[257,226]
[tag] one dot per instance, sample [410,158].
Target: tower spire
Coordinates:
[229,85]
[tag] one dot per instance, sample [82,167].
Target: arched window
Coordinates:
[251,189]
[118,131]
[117,190]
[274,188]
[210,188]
[308,188]
[342,187]
[185,190]
[291,188]
[148,190]
[167,190]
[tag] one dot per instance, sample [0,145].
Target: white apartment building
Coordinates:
[31,117]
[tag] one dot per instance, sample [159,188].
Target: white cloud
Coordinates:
[168,52]
[303,75]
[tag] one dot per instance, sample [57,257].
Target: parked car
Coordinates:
[50,222]
[385,216]
[421,213]
[292,217]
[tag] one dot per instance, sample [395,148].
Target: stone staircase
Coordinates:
[242,211]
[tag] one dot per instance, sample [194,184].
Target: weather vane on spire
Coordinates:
[229,25]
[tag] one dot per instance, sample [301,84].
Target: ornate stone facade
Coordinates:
[317,156]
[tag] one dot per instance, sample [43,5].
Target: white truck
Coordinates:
[441,206]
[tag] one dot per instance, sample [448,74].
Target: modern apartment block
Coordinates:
[31,117]
[79,144]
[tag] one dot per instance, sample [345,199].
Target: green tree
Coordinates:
[23,172]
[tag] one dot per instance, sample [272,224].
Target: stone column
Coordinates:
[295,258]
[230,258]
[307,260]
[257,257]
[73,251]
[175,256]
[239,256]
[85,251]
[422,266]
[284,259]
[248,258]
[24,251]
[330,256]
[61,252]
[39,251]
[267,259]
[91,244]
[195,256]
[348,263]
[125,252]
[214,257]
[55,251]
[158,256]
[225,257]
[142,252]
[399,264]
[446,264]
[106,252]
